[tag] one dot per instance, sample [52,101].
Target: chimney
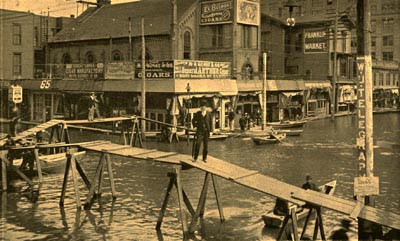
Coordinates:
[103,2]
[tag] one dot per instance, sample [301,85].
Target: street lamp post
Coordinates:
[291,4]
[188,107]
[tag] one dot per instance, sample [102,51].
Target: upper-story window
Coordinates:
[66,58]
[16,34]
[89,57]
[388,40]
[147,55]
[17,66]
[217,36]
[187,45]
[316,3]
[35,37]
[299,42]
[249,36]
[117,55]
[373,26]
[373,41]
[387,56]
[388,24]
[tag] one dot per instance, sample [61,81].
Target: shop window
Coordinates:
[16,34]
[186,45]
[17,67]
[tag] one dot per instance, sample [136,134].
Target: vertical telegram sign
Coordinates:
[365,184]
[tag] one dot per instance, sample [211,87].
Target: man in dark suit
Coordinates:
[202,123]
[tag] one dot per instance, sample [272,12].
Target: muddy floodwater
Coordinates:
[325,150]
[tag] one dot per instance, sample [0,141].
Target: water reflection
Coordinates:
[325,150]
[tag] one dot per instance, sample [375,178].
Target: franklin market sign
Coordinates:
[189,69]
[84,71]
[315,41]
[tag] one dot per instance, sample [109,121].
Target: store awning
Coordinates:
[318,85]
[285,85]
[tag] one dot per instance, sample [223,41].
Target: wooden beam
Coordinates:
[65,182]
[294,223]
[95,178]
[172,181]
[180,201]
[216,190]
[111,176]
[201,203]
[75,179]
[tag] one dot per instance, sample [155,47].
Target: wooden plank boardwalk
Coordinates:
[253,180]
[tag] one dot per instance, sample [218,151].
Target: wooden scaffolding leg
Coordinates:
[321,224]
[284,226]
[306,223]
[111,176]
[82,174]
[38,166]
[180,200]
[315,235]
[216,190]
[201,203]
[294,223]
[65,182]
[75,178]
[3,170]
[96,177]
[172,181]
[100,185]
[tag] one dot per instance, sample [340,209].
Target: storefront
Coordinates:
[347,98]
[317,97]
[386,97]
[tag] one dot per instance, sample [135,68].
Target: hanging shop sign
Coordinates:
[315,41]
[155,69]
[190,69]
[216,12]
[84,71]
[120,70]
[248,12]
[15,94]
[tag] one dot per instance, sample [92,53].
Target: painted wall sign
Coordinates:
[365,186]
[120,70]
[155,69]
[315,41]
[248,12]
[189,69]
[361,127]
[84,71]
[216,12]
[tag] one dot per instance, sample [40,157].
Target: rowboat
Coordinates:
[289,132]
[287,124]
[268,139]
[272,220]
[212,137]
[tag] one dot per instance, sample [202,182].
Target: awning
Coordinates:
[285,85]
[318,85]
[290,94]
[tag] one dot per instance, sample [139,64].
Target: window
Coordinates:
[387,56]
[380,78]
[287,43]
[66,58]
[373,41]
[16,34]
[117,55]
[17,69]
[343,67]
[387,79]
[344,41]
[217,36]
[299,42]
[388,40]
[249,34]
[388,24]
[35,37]
[374,78]
[316,3]
[186,45]
[90,59]
[373,55]
[280,12]
[373,26]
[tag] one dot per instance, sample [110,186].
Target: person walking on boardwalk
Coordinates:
[242,123]
[202,123]
[93,107]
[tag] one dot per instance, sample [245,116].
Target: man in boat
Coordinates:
[310,185]
[202,122]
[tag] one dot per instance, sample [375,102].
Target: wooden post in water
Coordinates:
[364,104]
[3,170]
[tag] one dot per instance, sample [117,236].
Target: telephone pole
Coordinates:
[334,104]
[365,120]
[143,97]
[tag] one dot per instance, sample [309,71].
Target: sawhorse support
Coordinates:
[202,201]
[318,223]
[175,179]
[136,134]
[293,218]
[73,165]
[105,160]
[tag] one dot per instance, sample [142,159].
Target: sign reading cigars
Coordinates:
[315,41]
[155,69]
[84,71]
[189,69]
[216,12]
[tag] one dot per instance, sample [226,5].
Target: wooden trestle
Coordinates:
[214,167]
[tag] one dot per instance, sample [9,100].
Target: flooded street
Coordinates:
[325,150]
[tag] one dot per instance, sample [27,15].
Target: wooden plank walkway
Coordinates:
[253,180]
[34,130]
[101,120]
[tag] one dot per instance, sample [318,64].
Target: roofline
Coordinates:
[104,38]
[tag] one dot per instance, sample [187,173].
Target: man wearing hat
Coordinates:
[202,122]
[309,184]
[93,106]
